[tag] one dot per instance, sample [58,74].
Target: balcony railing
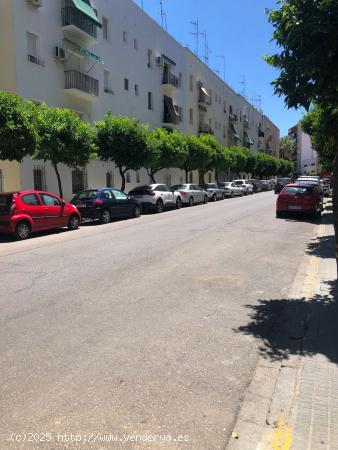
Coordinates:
[72,16]
[170,78]
[82,82]
[205,129]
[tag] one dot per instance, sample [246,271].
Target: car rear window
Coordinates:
[292,190]
[141,190]
[86,195]
[5,204]
[177,187]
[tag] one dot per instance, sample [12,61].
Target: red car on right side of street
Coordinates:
[300,198]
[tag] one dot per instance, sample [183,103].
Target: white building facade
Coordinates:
[307,156]
[110,55]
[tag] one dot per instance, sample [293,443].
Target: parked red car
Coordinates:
[300,198]
[24,212]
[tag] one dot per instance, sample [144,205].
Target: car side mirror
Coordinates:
[63,203]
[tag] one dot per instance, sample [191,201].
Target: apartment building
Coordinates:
[95,56]
[306,157]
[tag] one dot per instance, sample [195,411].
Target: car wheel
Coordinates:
[318,214]
[22,230]
[105,216]
[279,215]
[223,196]
[214,198]
[137,212]
[205,199]
[232,194]
[191,201]
[74,222]
[178,203]
[159,206]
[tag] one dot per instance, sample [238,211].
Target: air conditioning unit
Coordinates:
[60,53]
[160,61]
[36,3]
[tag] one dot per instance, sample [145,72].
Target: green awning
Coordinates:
[248,139]
[85,7]
[234,132]
[85,51]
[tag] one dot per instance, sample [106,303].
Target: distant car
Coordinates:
[257,187]
[281,182]
[266,186]
[25,212]
[156,197]
[300,198]
[230,189]
[247,187]
[213,191]
[104,204]
[190,193]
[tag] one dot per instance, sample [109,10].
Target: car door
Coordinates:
[53,210]
[32,206]
[199,194]
[168,195]
[121,203]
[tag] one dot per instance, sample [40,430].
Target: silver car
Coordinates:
[156,197]
[247,188]
[213,191]
[190,193]
[230,189]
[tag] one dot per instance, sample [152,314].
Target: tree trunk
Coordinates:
[58,178]
[217,176]
[335,205]
[187,176]
[201,178]
[151,174]
[123,183]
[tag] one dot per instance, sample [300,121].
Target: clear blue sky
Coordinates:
[240,31]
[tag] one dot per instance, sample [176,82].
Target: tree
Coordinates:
[123,141]
[18,127]
[198,155]
[64,139]
[306,31]
[215,155]
[288,148]
[239,159]
[168,149]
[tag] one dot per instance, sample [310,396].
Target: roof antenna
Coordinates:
[196,33]
[163,16]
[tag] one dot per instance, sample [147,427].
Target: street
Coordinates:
[132,328]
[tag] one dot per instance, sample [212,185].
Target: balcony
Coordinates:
[204,128]
[233,118]
[203,97]
[246,124]
[81,85]
[79,26]
[169,82]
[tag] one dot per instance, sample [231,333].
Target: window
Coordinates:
[39,178]
[224,131]
[107,82]
[79,180]
[135,44]
[125,36]
[224,106]
[191,116]
[31,200]
[216,98]
[49,200]
[138,177]
[105,28]
[106,194]
[32,49]
[150,100]
[230,110]
[210,95]
[109,179]
[1,181]
[128,177]
[136,89]
[191,83]
[119,195]
[149,58]
[126,84]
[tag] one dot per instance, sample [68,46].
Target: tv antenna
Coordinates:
[196,33]
[206,48]
[163,15]
[243,83]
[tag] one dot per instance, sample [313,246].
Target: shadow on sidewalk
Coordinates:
[281,325]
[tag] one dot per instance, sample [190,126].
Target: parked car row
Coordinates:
[25,212]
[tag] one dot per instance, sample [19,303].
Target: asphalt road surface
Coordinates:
[130,330]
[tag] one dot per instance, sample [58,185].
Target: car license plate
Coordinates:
[82,205]
[294,208]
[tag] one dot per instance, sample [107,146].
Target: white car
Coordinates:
[156,197]
[231,189]
[247,188]
[190,193]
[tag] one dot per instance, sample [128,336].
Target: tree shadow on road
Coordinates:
[287,327]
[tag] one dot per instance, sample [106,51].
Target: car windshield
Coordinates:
[283,180]
[293,190]
[86,195]
[239,183]
[179,187]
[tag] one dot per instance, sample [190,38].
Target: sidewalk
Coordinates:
[292,402]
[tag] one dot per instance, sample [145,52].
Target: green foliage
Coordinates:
[307,33]
[123,141]
[198,154]
[288,148]
[18,128]
[322,125]
[64,139]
